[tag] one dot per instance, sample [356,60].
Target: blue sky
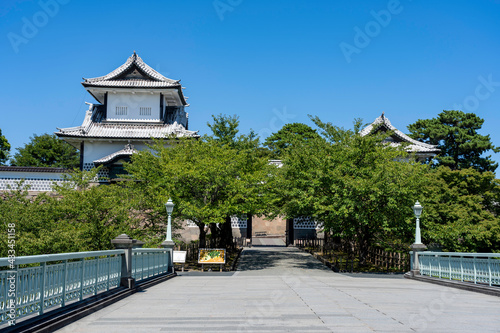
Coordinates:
[269,62]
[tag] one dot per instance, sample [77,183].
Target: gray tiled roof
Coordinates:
[93,126]
[116,78]
[33,169]
[127,151]
[414,146]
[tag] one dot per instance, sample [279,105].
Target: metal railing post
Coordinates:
[462,268]
[449,266]
[142,267]
[475,272]
[126,243]
[109,272]
[42,287]
[16,268]
[439,266]
[96,274]
[63,302]
[489,270]
[82,279]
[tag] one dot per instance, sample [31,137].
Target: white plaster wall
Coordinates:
[98,149]
[133,102]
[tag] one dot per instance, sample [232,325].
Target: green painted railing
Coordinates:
[34,284]
[55,279]
[149,262]
[483,268]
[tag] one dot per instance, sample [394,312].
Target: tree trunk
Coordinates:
[226,239]
[214,235]
[203,234]
[363,248]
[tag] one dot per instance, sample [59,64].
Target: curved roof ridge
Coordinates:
[384,121]
[134,59]
[128,150]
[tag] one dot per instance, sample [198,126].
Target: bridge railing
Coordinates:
[37,283]
[30,285]
[149,262]
[483,268]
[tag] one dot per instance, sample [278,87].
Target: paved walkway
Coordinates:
[279,289]
[268,241]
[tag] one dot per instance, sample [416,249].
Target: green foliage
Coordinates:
[207,181]
[288,135]
[357,186]
[4,149]
[69,220]
[461,210]
[456,134]
[46,151]
[37,225]
[225,130]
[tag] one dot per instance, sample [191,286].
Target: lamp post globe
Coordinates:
[417,209]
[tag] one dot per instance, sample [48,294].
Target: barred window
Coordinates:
[144,111]
[121,111]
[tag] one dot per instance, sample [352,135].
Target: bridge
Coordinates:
[283,289]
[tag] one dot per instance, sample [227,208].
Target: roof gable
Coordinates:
[135,73]
[134,69]
[397,137]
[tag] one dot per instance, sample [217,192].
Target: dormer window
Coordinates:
[121,111]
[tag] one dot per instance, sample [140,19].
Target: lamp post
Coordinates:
[170,208]
[168,243]
[417,209]
[417,246]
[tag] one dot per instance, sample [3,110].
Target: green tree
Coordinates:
[225,132]
[207,181]
[288,135]
[456,134]
[72,219]
[4,149]
[46,151]
[100,213]
[357,186]
[36,227]
[461,210]
[224,129]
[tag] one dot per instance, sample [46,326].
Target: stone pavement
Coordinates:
[268,241]
[279,289]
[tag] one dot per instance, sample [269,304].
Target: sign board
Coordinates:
[180,257]
[212,256]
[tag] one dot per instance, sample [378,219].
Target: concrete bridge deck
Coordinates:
[279,289]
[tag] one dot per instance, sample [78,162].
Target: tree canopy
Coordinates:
[354,184]
[288,135]
[456,134]
[4,149]
[461,211]
[360,188]
[46,150]
[224,129]
[207,181]
[70,219]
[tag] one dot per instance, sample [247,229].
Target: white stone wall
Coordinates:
[32,181]
[306,222]
[239,221]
